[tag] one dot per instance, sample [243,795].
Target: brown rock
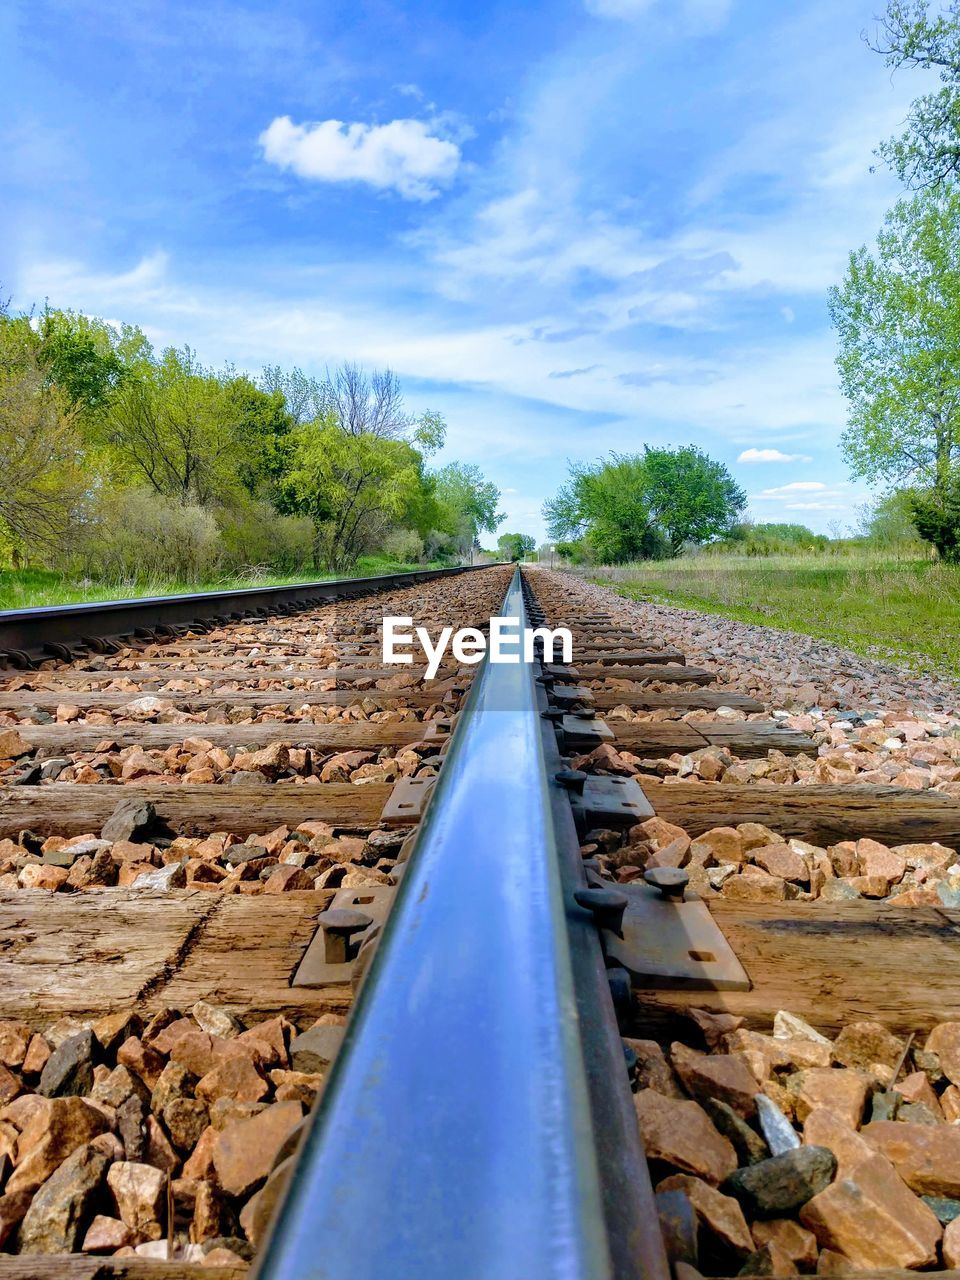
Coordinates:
[715,1025]
[271,761]
[158,1150]
[200,1162]
[142,1059]
[244,1152]
[268,1041]
[860,1044]
[721,1215]
[297,1086]
[724,843]
[681,1134]
[797,1243]
[207,1214]
[37,1056]
[236,1078]
[59,1211]
[877,860]
[754,834]
[871,1217]
[140,1193]
[720,1076]
[12,746]
[53,1133]
[950,1103]
[824,1128]
[755,885]
[653,1070]
[769,1260]
[13,1207]
[838,1090]
[927,1157]
[950,1245]
[15,1039]
[658,832]
[106,1235]
[256,1214]
[780,860]
[944,1041]
[10,1086]
[916,1088]
[286,879]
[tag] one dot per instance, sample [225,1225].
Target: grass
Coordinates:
[31,588]
[904,611]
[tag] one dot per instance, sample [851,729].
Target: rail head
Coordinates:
[456,1132]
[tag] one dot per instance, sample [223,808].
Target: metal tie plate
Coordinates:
[673,944]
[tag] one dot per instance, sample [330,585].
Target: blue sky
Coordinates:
[571,227]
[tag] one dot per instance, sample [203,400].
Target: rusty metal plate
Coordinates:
[314,970]
[673,945]
[573,694]
[584,735]
[610,802]
[406,802]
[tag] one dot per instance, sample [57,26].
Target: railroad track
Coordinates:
[219,840]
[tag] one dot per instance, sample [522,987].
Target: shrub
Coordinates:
[136,534]
[404,545]
[253,534]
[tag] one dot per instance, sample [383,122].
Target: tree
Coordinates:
[927,153]
[79,355]
[304,398]
[40,446]
[897,316]
[692,498]
[468,504]
[937,520]
[514,546]
[193,434]
[641,506]
[606,505]
[354,488]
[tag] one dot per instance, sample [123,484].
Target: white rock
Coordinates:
[786,1025]
[172,876]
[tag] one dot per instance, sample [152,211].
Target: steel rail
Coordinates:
[457,1135]
[26,634]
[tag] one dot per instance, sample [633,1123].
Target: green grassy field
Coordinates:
[30,588]
[907,611]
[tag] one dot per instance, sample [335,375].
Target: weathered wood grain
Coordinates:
[92,953]
[625,655]
[821,814]
[74,1267]
[830,963]
[746,739]
[668,674]
[752,738]
[682,699]
[658,738]
[339,736]
[63,808]
[149,678]
[113,700]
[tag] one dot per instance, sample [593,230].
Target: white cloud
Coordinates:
[403,155]
[797,487]
[710,14]
[771,455]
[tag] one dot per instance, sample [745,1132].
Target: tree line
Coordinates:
[122,461]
